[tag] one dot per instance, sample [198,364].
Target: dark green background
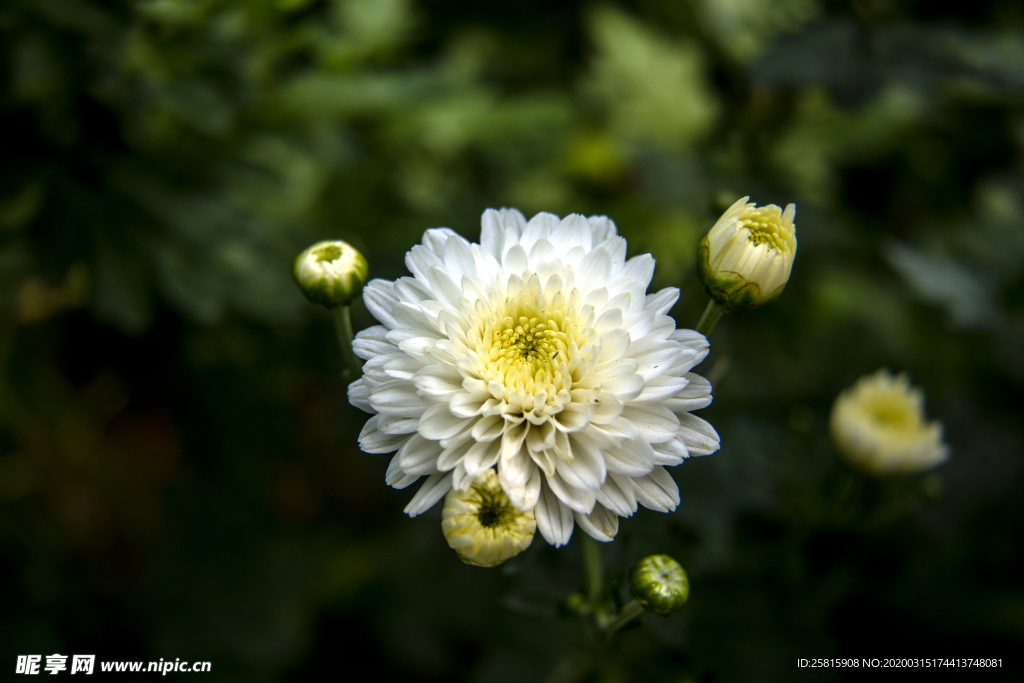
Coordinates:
[179,474]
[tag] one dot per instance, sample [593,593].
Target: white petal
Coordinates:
[458,259]
[655,357]
[396,424]
[420,260]
[514,470]
[394,396]
[453,455]
[699,436]
[419,456]
[554,520]
[359,396]
[634,458]
[379,297]
[573,231]
[657,491]
[436,238]
[540,227]
[602,228]
[640,269]
[692,340]
[438,423]
[397,477]
[601,524]
[662,302]
[655,422]
[595,270]
[433,490]
[660,388]
[578,499]
[671,452]
[614,344]
[515,260]
[372,342]
[617,495]
[492,233]
[481,456]
[525,497]
[372,440]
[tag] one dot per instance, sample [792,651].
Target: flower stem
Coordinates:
[595,571]
[629,612]
[711,315]
[343,326]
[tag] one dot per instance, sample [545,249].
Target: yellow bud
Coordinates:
[745,259]
[878,426]
[659,584]
[483,526]
[331,273]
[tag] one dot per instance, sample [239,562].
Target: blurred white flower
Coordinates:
[483,526]
[538,353]
[878,425]
[746,258]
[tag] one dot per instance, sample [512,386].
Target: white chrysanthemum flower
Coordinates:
[538,353]
[879,426]
[483,526]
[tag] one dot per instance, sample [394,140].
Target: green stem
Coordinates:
[595,571]
[630,612]
[711,315]
[343,326]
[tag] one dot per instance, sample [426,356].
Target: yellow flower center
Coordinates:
[527,341]
[766,227]
[893,412]
[495,509]
[527,344]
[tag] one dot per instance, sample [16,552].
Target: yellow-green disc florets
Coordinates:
[483,526]
[745,260]
[331,273]
[659,584]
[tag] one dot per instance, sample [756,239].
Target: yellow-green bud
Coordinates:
[659,584]
[483,526]
[745,259]
[331,273]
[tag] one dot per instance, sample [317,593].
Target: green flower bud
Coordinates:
[745,259]
[659,584]
[331,273]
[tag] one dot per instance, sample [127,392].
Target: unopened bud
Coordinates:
[659,584]
[745,259]
[483,526]
[331,273]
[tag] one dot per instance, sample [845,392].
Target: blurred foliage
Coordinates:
[179,475]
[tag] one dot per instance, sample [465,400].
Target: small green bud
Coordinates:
[331,273]
[659,584]
[745,259]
